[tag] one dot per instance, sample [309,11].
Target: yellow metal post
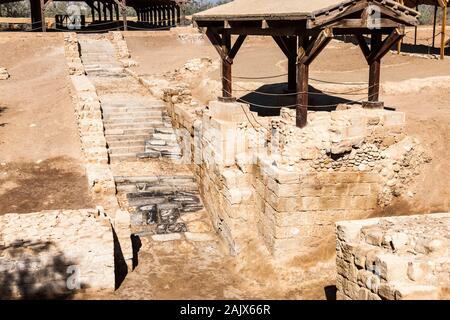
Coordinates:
[444,25]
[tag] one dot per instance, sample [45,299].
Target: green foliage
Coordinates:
[195,6]
[427,14]
[15,9]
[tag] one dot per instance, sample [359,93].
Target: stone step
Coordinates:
[125,150]
[120,138]
[122,157]
[107,110]
[142,103]
[126,143]
[128,120]
[170,180]
[139,125]
[115,132]
[164,136]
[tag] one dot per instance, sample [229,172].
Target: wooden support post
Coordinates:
[174,15]
[444,26]
[434,24]
[227,91]
[375,69]
[302,83]
[150,15]
[105,13]
[308,50]
[159,20]
[292,64]
[92,12]
[111,11]
[227,54]
[399,44]
[302,95]
[35,7]
[116,7]
[99,10]
[124,15]
[178,14]
[416,29]
[164,15]
[43,24]
[289,47]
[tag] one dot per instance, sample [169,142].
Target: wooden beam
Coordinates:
[237,45]
[315,47]
[386,45]
[363,45]
[444,26]
[283,45]
[216,41]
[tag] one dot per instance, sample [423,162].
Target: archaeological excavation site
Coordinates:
[224,150]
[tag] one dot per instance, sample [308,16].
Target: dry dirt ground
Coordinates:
[40,159]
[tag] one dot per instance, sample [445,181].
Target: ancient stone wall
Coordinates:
[395,258]
[262,177]
[93,143]
[289,185]
[55,253]
[91,130]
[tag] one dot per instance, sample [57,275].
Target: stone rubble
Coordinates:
[4,75]
[394,258]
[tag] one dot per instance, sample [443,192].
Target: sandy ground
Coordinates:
[41,162]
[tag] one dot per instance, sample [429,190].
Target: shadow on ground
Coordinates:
[34,270]
[50,185]
[268,99]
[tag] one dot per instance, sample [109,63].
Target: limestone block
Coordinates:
[406,291]
[82,83]
[394,118]
[235,112]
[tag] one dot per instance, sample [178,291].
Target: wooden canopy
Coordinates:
[154,11]
[302,29]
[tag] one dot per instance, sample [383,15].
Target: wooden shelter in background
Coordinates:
[302,29]
[443,4]
[154,13]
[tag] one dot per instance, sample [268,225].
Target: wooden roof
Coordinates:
[285,9]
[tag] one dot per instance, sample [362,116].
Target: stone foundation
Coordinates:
[263,177]
[395,258]
[55,253]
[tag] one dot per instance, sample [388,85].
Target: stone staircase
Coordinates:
[160,202]
[136,126]
[140,138]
